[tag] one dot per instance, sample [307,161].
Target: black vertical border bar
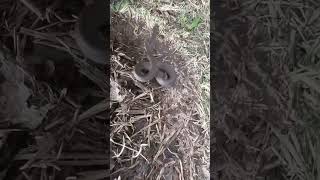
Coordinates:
[108,70]
[211,59]
[216,17]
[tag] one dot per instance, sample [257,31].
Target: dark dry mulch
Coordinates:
[54,99]
[264,72]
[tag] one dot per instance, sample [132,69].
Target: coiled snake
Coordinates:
[145,71]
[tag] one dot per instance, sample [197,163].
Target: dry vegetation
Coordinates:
[160,133]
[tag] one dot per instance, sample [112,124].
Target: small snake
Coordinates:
[146,71]
[163,73]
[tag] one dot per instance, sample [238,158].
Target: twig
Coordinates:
[98,108]
[32,8]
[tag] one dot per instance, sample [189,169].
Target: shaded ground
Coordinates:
[53,102]
[265,118]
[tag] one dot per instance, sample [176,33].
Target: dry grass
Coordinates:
[165,131]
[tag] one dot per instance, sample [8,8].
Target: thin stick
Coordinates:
[32,8]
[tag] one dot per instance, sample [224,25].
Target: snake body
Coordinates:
[143,71]
[163,73]
[166,75]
